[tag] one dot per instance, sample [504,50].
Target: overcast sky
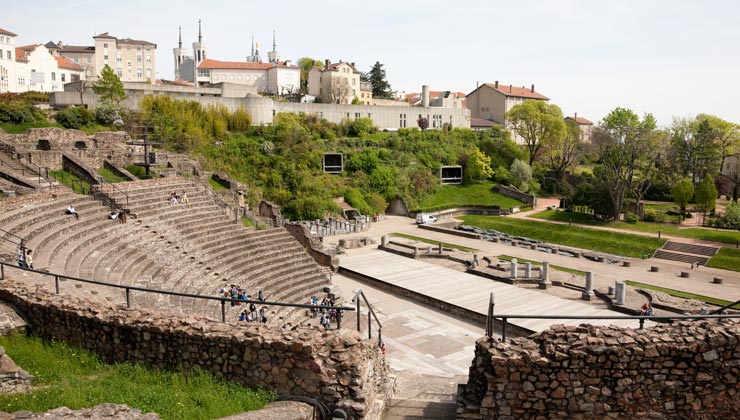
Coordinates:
[670,58]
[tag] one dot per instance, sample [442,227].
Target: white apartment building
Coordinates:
[7,61]
[335,83]
[34,68]
[132,60]
[263,78]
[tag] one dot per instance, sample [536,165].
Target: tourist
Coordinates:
[312,302]
[72,210]
[646,309]
[22,257]
[243,315]
[29,259]
[263,316]
[260,296]
[184,198]
[122,217]
[113,215]
[173,198]
[324,321]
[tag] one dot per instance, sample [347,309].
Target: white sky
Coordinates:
[671,58]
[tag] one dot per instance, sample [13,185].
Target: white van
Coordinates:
[423,218]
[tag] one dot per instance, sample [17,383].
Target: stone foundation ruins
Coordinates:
[689,370]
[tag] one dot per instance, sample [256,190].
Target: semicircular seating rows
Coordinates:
[190,248]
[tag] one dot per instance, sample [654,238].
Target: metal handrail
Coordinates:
[21,243]
[128,289]
[491,317]
[102,182]
[370,313]
[722,309]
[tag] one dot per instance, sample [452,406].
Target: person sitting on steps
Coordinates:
[72,210]
[29,259]
[184,198]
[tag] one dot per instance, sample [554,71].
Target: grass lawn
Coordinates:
[71,180]
[479,194]
[679,293]
[726,258]
[74,378]
[661,207]
[580,237]
[432,242]
[22,128]
[539,264]
[716,235]
[139,171]
[217,186]
[109,176]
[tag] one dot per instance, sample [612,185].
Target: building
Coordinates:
[335,83]
[7,61]
[366,93]
[132,60]
[442,99]
[38,70]
[585,125]
[491,101]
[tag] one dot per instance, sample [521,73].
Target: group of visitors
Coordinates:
[250,314]
[119,215]
[646,309]
[328,315]
[25,257]
[181,198]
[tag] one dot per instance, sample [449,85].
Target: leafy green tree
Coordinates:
[564,151]
[706,194]
[682,193]
[629,149]
[521,174]
[478,166]
[109,86]
[75,117]
[423,123]
[695,147]
[306,64]
[538,123]
[376,77]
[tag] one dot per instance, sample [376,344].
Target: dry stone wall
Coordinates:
[685,371]
[335,367]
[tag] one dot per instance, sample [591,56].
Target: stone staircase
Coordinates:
[191,248]
[20,174]
[687,253]
[420,397]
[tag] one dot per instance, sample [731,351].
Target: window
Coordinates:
[138,48]
[138,73]
[148,48]
[231,77]
[105,57]
[148,73]
[63,78]
[240,77]
[54,76]
[149,59]
[357,115]
[118,58]
[247,77]
[223,77]
[402,122]
[353,82]
[88,60]
[105,45]
[138,58]
[8,54]
[119,71]
[204,73]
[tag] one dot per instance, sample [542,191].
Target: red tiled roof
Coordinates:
[519,92]
[580,120]
[63,63]
[239,65]
[334,66]
[4,32]
[104,35]
[21,53]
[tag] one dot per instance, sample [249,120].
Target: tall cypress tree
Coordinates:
[376,76]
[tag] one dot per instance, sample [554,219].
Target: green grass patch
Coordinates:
[140,172]
[567,217]
[217,186]
[679,293]
[110,176]
[580,237]
[478,194]
[432,242]
[74,378]
[246,221]
[23,127]
[727,259]
[539,264]
[71,180]
[661,206]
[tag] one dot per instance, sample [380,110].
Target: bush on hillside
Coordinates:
[15,109]
[75,117]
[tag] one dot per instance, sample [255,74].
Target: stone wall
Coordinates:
[312,245]
[516,194]
[335,367]
[687,371]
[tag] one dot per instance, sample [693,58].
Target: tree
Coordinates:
[109,86]
[682,193]
[478,166]
[538,123]
[423,123]
[376,77]
[731,171]
[564,151]
[306,64]
[695,147]
[339,90]
[727,135]
[521,174]
[706,194]
[629,149]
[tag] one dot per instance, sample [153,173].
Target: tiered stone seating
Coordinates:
[191,248]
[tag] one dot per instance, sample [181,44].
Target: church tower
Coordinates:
[199,51]
[181,54]
[255,57]
[273,56]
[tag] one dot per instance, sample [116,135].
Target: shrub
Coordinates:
[240,121]
[16,110]
[361,127]
[74,117]
[631,218]
[107,112]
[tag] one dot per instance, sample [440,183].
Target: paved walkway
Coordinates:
[472,292]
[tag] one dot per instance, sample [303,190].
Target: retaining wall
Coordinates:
[687,371]
[335,367]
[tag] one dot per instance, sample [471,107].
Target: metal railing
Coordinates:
[103,182]
[370,315]
[491,318]
[728,306]
[4,233]
[221,299]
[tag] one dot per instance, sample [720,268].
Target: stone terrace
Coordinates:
[191,248]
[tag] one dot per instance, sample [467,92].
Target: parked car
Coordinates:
[424,218]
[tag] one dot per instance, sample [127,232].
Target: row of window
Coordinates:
[6,40]
[8,55]
[128,48]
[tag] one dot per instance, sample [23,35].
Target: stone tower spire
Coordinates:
[273,56]
[179,41]
[181,55]
[200,35]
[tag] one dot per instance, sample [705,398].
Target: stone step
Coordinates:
[707,251]
[419,410]
[675,256]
